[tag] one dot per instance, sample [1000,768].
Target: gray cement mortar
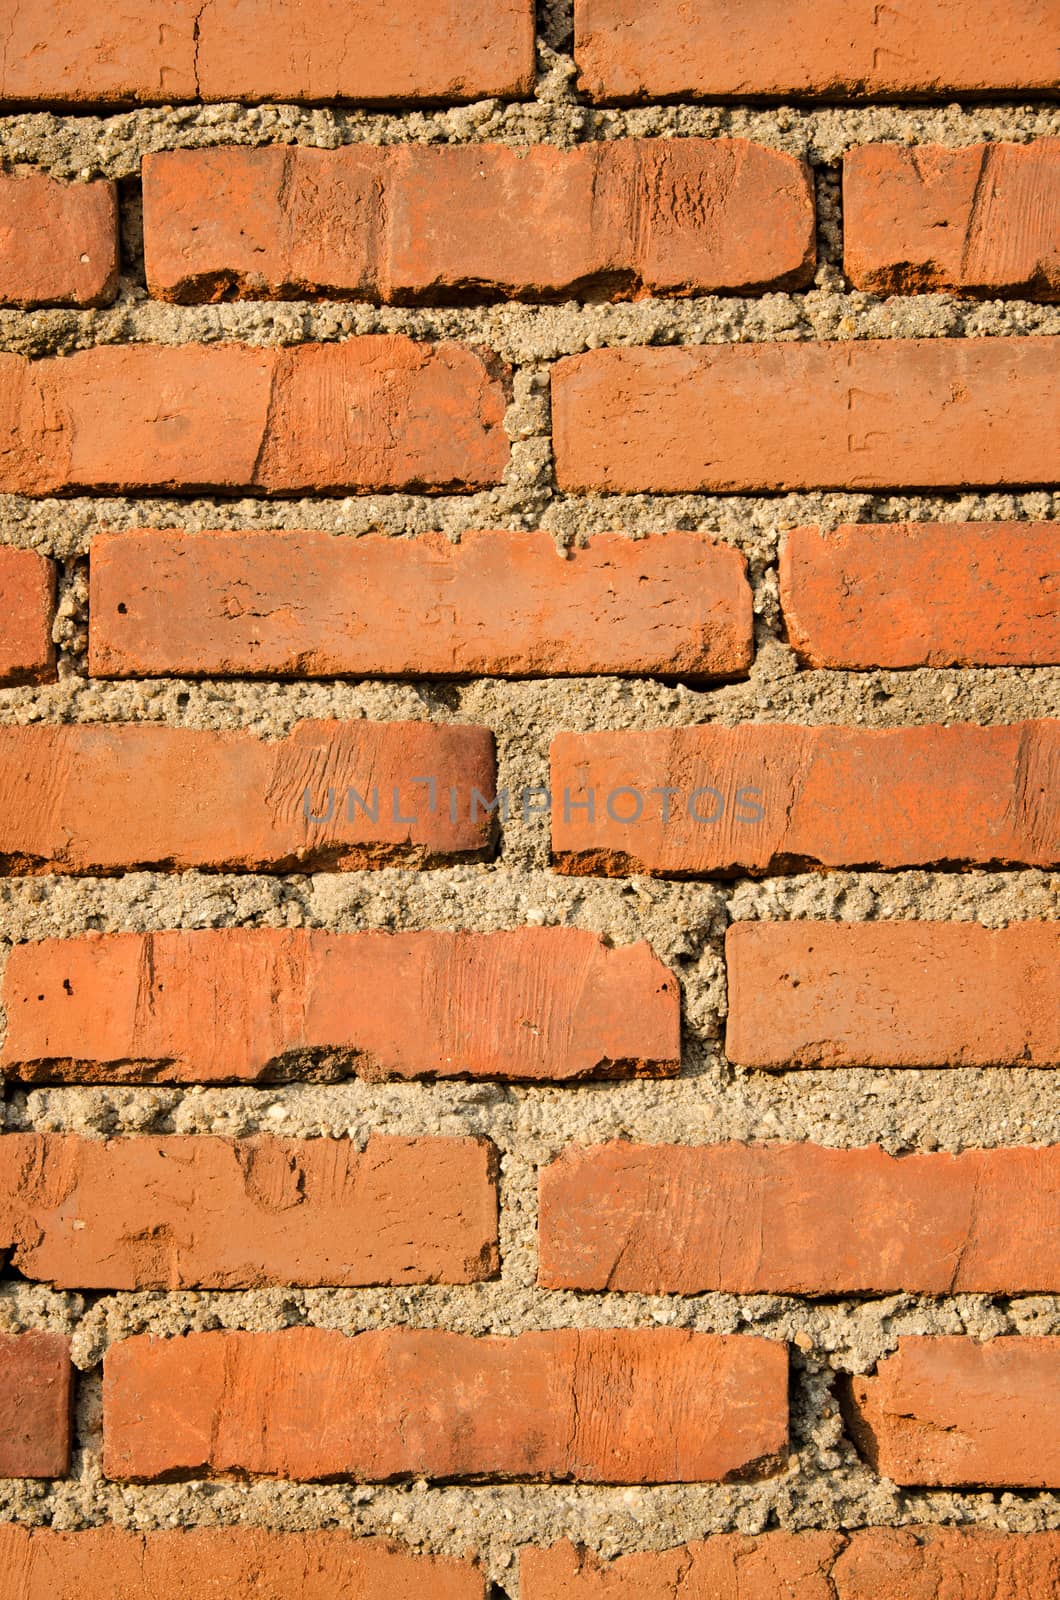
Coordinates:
[826,1484]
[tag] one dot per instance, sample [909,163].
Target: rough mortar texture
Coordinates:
[826,1484]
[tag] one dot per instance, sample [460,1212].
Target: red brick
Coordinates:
[772,1566]
[58,241]
[590,1405]
[501,604]
[168,51]
[790,798]
[27,605]
[924,594]
[950,1412]
[100,797]
[923,1563]
[893,994]
[866,414]
[35,1403]
[224,1563]
[204,1213]
[240,1004]
[368,413]
[403,222]
[816,49]
[918,1563]
[797,1219]
[982,220]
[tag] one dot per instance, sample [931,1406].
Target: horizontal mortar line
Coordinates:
[123,713]
[240,322]
[501,874]
[488,1304]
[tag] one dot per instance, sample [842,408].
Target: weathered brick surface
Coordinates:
[918,1563]
[798,1219]
[411,222]
[818,49]
[178,1213]
[167,51]
[923,594]
[35,1400]
[762,798]
[223,1563]
[981,220]
[58,241]
[588,1405]
[867,414]
[103,797]
[506,604]
[950,1411]
[893,994]
[238,1004]
[369,413]
[27,606]
[772,1566]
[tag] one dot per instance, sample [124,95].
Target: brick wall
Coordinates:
[530,800]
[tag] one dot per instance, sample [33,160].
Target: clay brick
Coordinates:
[369,413]
[102,797]
[240,1004]
[798,1219]
[815,49]
[865,414]
[35,1400]
[950,1412]
[893,994]
[771,1566]
[922,1563]
[58,241]
[501,604]
[409,222]
[918,1563]
[226,1563]
[984,220]
[27,606]
[923,594]
[205,1213]
[164,52]
[589,1405]
[684,802]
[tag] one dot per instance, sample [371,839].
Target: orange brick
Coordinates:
[224,1563]
[241,1004]
[35,1403]
[772,1566]
[950,1412]
[186,1213]
[983,220]
[924,594]
[800,1220]
[101,797]
[684,802]
[589,1406]
[918,1563]
[58,241]
[27,605]
[504,604]
[893,994]
[817,49]
[866,414]
[369,413]
[403,222]
[166,51]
